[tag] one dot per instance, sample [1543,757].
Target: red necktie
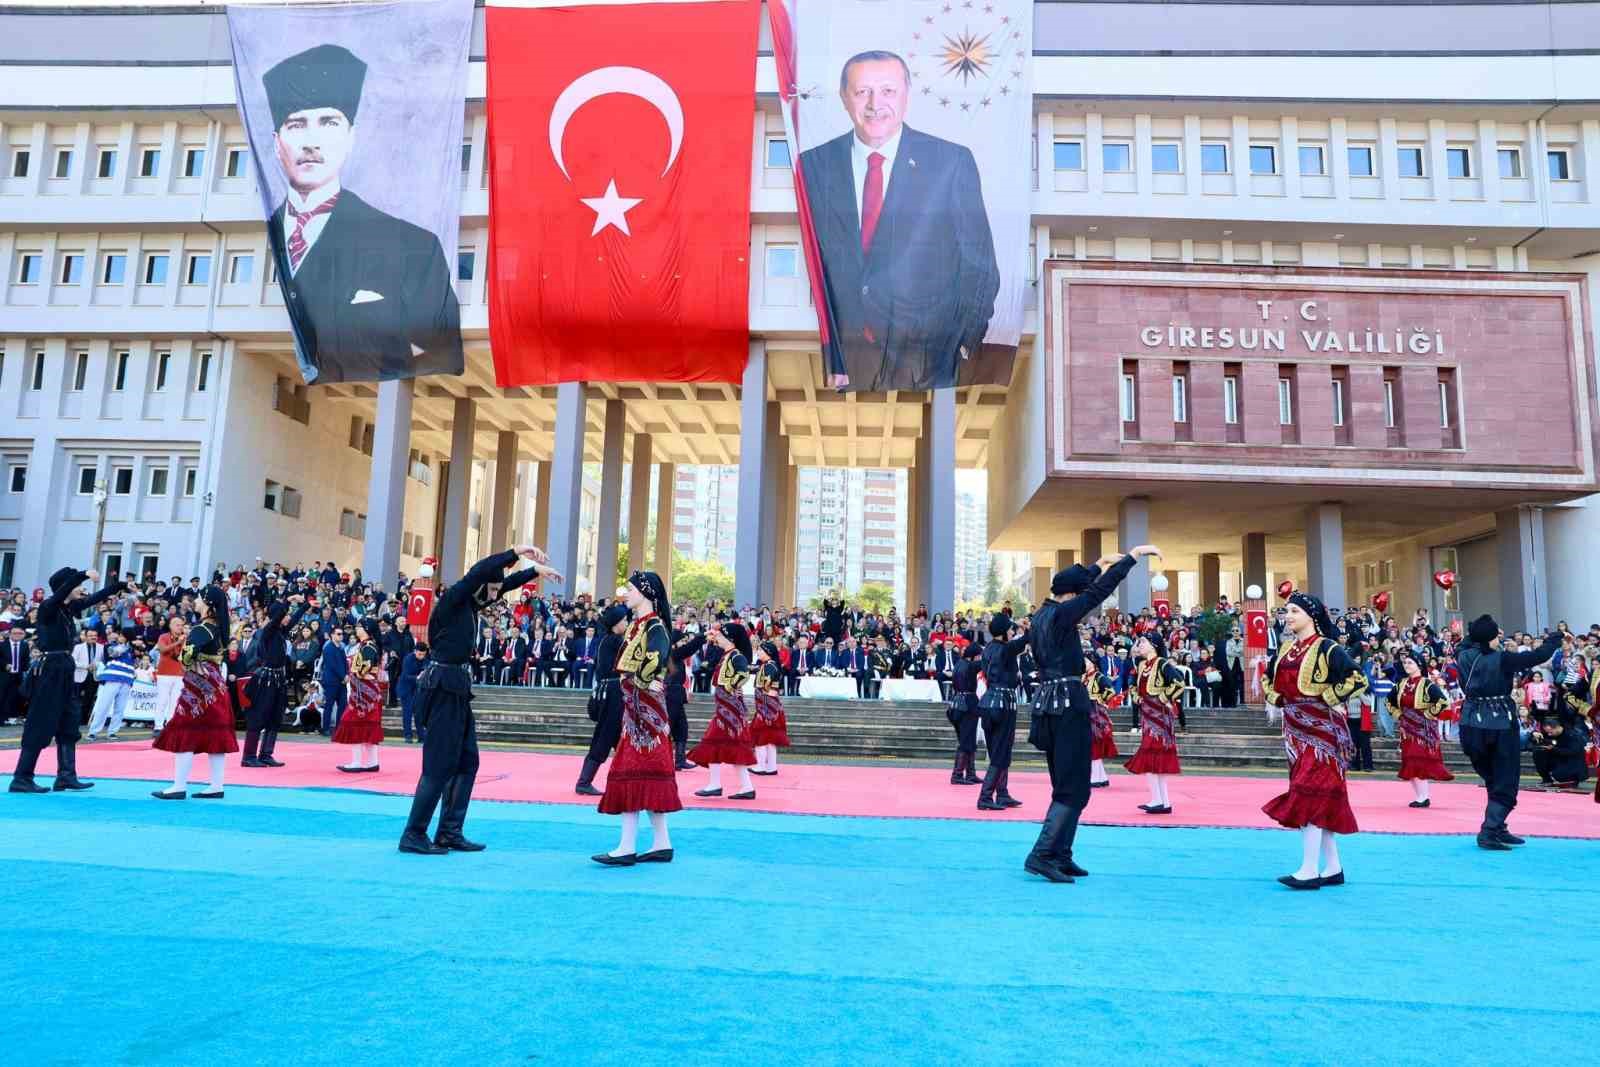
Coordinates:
[297,240]
[871,200]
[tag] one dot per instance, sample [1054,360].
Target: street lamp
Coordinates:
[99,521]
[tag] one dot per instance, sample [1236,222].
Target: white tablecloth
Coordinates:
[813,687]
[924,689]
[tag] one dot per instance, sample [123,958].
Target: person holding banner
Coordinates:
[1311,677]
[1158,687]
[1419,702]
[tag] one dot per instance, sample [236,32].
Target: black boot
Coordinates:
[680,756]
[1003,794]
[971,777]
[1039,860]
[415,838]
[457,795]
[67,768]
[958,772]
[22,778]
[269,744]
[585,786]
[991,781]
[1494,824]
[1061,848]
[252,738]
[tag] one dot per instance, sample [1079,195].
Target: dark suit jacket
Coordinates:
[362,250]
[926,287]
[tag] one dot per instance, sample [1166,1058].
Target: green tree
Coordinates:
[623,570]
[875,597]
[693,580]
[991,585]
[1213,625]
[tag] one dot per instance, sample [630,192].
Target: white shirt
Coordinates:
[858,165]
[313,229]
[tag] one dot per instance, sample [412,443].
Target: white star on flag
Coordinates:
[611,209]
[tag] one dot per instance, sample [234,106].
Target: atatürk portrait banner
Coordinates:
[354,114]
[910,125]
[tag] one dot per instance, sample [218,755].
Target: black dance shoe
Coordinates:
[24,783]
[1099,785]
[1508,837]
[1156,809]
[162,794]
[584,789]
[748,794]
[1300,883]
[1006,800]
[268,761]
[417,843]
[1331,879]
[1420,804]
[708,792]
[606,859]
[1069,866]
[1489,841]
[351,770]
[251,761]
[215,794]
[990,804]
[660,855]
[456,843]
[1041,865]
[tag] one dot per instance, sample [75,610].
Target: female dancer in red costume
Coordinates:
[361,725]
[1311,678]
[643,776]
[727,738]
[1158,685]
[1104,743]
[769,730]
[203,721]
[1419,703]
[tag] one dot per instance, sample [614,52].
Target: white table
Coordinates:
[907,689]
[813,687]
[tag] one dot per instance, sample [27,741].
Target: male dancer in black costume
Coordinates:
[677,694]
[444,700]
[608,695]
[1061,706]
[269,683]
[999,709]
[53,709]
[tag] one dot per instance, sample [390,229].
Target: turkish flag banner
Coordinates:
[620,140]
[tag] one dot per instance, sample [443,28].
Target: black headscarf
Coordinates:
[650,584]
[1156,642]
[1317,610]
[735,632]
[217,601]
[771,650]
[1075,579]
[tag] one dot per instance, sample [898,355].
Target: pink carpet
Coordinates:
[873,791]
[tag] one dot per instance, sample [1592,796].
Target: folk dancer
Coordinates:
[605,702]
[362,724]
[727,740]
[1158,686]
[677,680]
[1102,699]
[1418,702]
[203,720]
[769,729]
[963,715]
[268,689]
[1002,675]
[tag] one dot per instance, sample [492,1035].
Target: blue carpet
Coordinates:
[281,927]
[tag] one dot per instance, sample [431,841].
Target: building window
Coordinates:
[1180,398]
[1285,402]
[1385,571]
[155,270]
[107,165]
[466,157]
[122,481]
[1213,157]
[1338,402]
[240,268]
[1510,162]
[778,153]
[1263,159]
[235,165]
[72,268]
[1166,157]
[1388,403]
[194,162]
[29,267]
[290,504]
[1411,161]
[149,162]
[1458,162]
[80,371]
[1230,400]
[86,481]
[1313,162]
[38,372]
[63,163]
[198,269]
[19,162]
[190,476]
[120,380]
[1068,155]
[271,495]
[1360,157]
[163,362]
[1130,399]
[19,479]
[1560,163]
[114,268]
[158,481]
[202,376]
[783,261]
[466,262]
[1116,157]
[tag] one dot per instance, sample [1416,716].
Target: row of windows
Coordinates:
[79,378]
[106,157]
[120,482]
[113,270]
[1166,157]
[283,499]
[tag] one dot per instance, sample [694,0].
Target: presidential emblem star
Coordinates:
[611,209]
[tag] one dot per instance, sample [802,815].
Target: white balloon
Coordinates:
[1253,592]
[1159,583]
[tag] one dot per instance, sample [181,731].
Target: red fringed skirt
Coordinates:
[1104,743]
[1317,796]
[1422,762]
[362,721]
[728,737]
[203,722]
[643,775]
[770,726]
[1158,746]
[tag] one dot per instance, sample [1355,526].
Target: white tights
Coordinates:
[1319,853]
[1158,790]
[1097,771]
[1420,786]
[745,785]
[183,764]
[363,756]
[766,757]
[661,840]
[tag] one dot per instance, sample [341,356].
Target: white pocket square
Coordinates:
[365,296]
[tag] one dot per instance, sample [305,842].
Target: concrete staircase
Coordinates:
[1217,738]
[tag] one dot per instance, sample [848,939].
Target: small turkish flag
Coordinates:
[619,229]
[1255,629]
[418,607]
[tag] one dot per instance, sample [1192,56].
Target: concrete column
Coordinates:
[458,490]
[386,485]
[1041,584]
[783,565]
[772,481]
[752,467]
[541,504]
[666,480]
[1133,528]
[639,503]
[1325,553]
[1090,548]
[1210,579]
[1524,578]
[609,520]
[562,501]
[916,548]
[1066,557]
[940,502]
[1253,551]
[498,531]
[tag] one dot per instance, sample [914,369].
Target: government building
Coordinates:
[1312,296]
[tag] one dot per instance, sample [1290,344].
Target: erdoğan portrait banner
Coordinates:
[909,123]
[620,152]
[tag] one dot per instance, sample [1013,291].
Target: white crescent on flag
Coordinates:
[630,81]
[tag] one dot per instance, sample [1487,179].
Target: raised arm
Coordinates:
[482,573]
[1104,584]
[96,599]
[52,603]
[1511,662]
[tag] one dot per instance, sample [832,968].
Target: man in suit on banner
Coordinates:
[370,295]
[908,257]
